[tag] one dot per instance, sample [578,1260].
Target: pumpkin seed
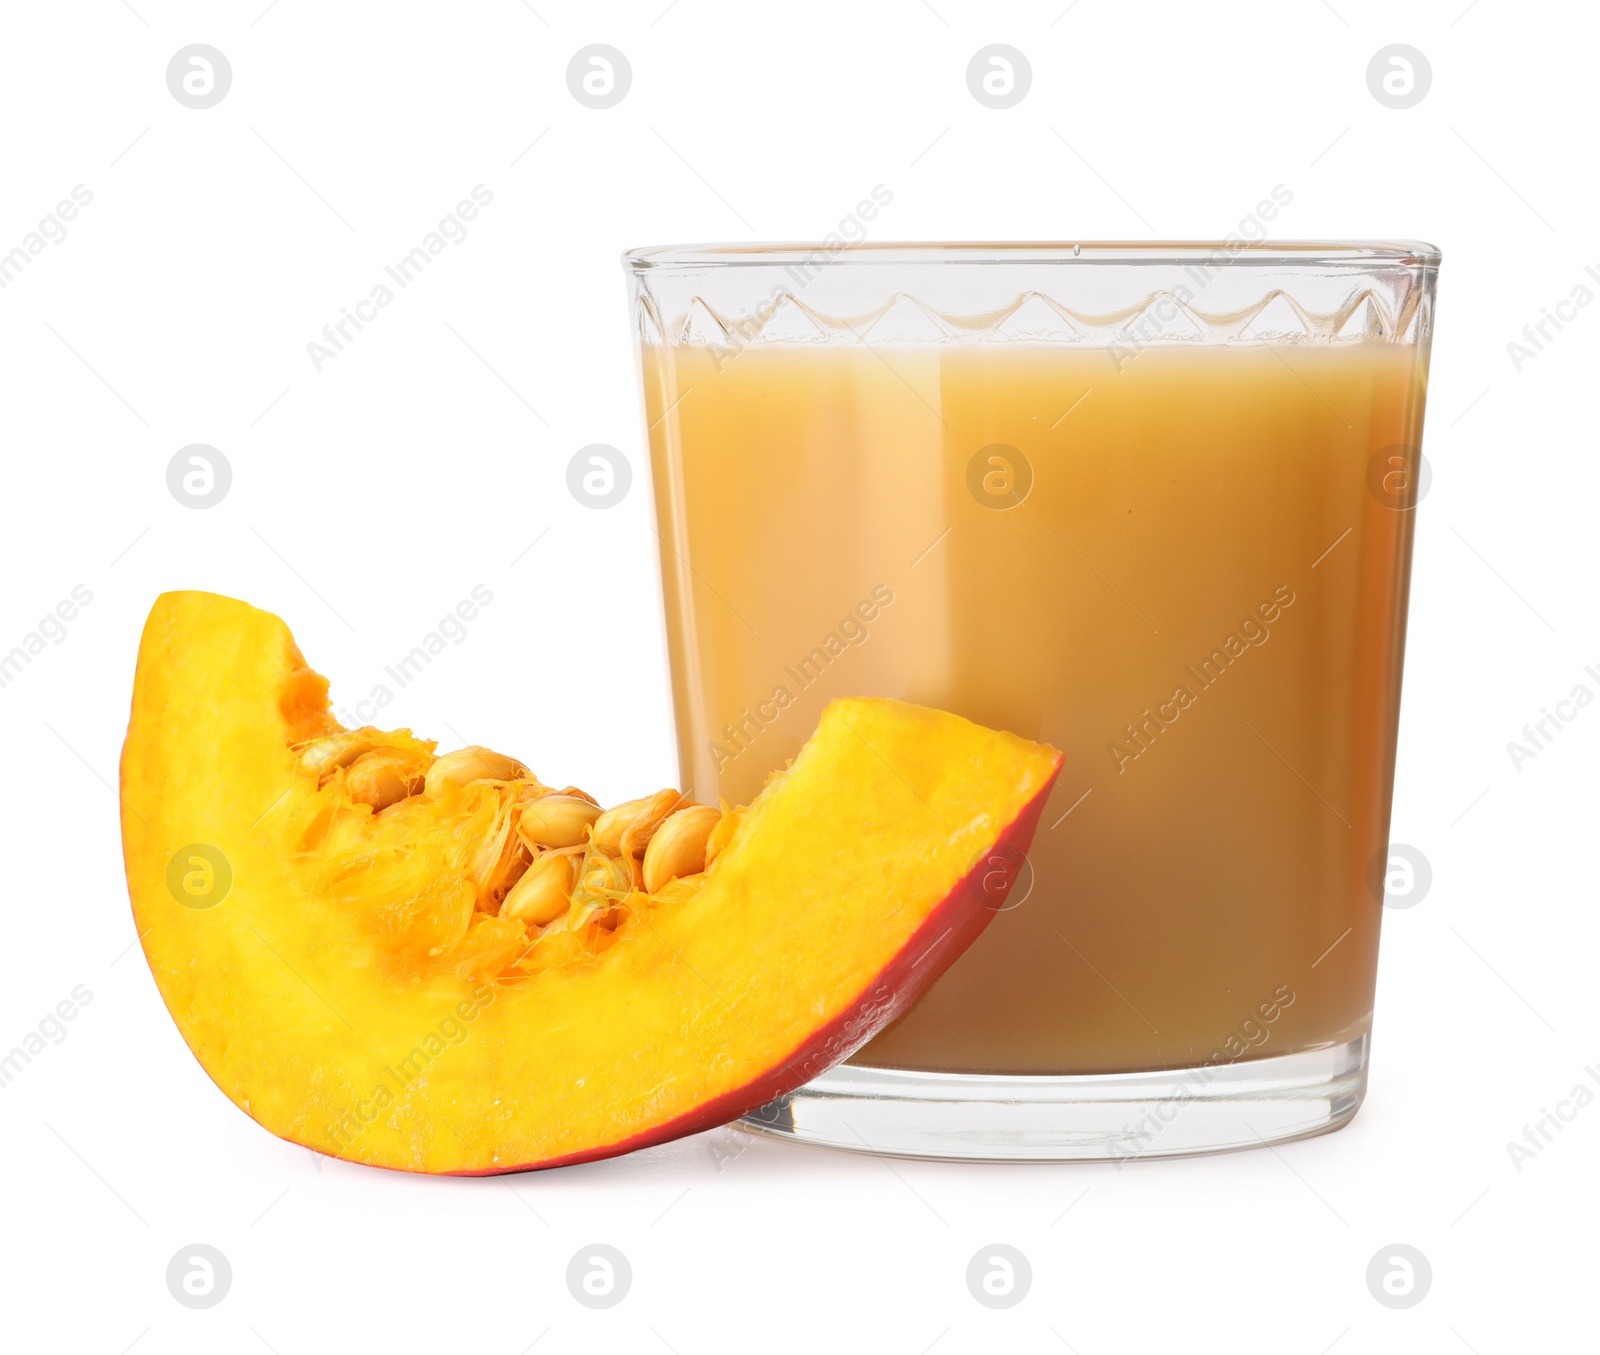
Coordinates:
[544,891]
[678,847]
[556,821]
[471,764]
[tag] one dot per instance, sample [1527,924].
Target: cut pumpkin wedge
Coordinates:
[441,964]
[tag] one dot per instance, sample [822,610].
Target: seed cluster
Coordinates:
[553,861]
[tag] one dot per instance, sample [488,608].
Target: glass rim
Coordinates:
[1213,253]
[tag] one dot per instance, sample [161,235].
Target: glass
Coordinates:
[1152,504]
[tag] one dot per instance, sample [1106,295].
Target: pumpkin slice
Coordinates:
[441,964]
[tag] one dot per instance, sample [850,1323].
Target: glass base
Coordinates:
[1114,1117]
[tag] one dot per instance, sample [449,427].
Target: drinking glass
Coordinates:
[1150,503]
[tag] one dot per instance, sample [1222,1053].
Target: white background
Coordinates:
[370,497]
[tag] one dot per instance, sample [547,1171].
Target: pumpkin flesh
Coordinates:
[355,990]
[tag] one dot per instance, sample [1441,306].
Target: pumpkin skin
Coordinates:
[313,956]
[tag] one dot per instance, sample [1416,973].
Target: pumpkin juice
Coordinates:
[1176,564]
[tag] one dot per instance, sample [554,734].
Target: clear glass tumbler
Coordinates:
[1151,504]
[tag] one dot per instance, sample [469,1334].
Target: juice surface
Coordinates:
[1197,592]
